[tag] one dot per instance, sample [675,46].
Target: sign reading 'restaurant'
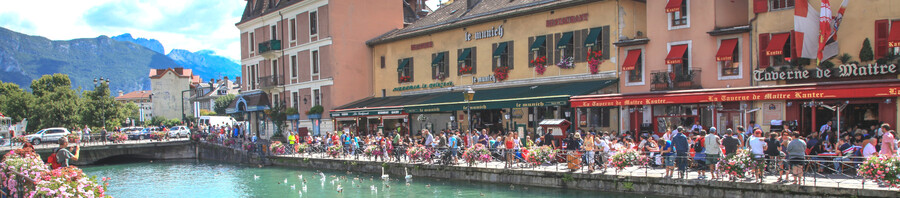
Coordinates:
[419,46]
[841,71]
[493,32]
[567,20]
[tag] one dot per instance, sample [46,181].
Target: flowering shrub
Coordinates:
[334,150]
[566,63]
[477,153]
[69,182]
[418,153]
[594,60]
[883,169]
[628,157]
[74,137]
[465,69]
[248,146]
[118,136]
[372,150]
[158,135]
[211,137]
[195,137]
[538,64]
[18,161]
[230,142]
[277,147]
[19,139]
[501,73]
[540,155]
[300,148]
[738,164]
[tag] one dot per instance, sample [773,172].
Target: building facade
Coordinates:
[299,53]
[170,89]
[142,99]
[422,71]
[205,94]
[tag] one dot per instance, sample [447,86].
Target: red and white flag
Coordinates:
[830,48]
[825,24]
[806,29]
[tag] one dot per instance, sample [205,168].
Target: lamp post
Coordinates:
[468,95]
[97,83]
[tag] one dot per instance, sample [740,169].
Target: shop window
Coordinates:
[781,4]
[680,18]
[466,61]
[502,55]
[440,65]
[313,23]
[637,75]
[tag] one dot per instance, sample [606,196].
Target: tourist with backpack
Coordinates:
[61,156]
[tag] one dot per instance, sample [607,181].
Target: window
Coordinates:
[568,50]
[781,4]
[274,69]
[538,49]
[680,18]
[294,66]
[731,67]
[315,62]
[466,62]
[293,29]
[382,62]
[784,58]
[440,65]
[317,100]
[405,70]
[252,44]
[274,32]
[295,100]
[637,74]
[383,93]
[503,55]
[313,23]
[276,100]
[565,47]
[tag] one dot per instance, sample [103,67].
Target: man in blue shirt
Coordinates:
[454,146]
[680,142]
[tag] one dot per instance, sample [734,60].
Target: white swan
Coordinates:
[372,187]
[285,180]
[384,176]
[340,189]
[255,177]
[293,186]
[408,176]
[304,187]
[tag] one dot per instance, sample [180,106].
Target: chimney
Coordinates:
[121,93]
[471,4]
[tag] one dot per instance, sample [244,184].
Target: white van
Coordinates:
[217,120]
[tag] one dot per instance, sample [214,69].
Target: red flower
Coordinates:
[501,73]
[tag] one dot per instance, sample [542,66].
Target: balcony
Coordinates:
[270,49]
[266,82]
[665,80]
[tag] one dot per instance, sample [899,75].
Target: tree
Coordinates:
[129,110]
[101,109]
[50,83]
[223,102]
[278,116]
[866,54]
[15,102]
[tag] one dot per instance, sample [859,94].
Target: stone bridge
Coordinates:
[183,149]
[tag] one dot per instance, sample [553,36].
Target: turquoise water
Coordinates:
[210,179]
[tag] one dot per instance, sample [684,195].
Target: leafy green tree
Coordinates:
[15,102]
[56,108]
[50,83]
[278,115]
[222,103]
[866,54]
[156,121]
[128,111]
[100,108]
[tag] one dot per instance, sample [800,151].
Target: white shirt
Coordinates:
[711,142]
[869,150]
[756,146]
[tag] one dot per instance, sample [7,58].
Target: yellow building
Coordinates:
[489,46]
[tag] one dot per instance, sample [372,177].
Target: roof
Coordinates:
[249,102]
[455,15]
[135,95]
[257,8]
[181,72]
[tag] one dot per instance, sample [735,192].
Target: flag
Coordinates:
[806,26]
[831,44]
[825,24]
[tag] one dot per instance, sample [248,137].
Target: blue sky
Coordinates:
[183,24]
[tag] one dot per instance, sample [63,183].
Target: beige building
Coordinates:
[171,88]
[143,99]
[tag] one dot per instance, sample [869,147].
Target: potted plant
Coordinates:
[292,114]
[315,112]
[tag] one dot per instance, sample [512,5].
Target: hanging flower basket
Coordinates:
[738,164]
[501,73]
[372,150]
[277,147]
[566,63]
[595,58]
[465,69]
[300,148]
[334,150]
[628,158]
[540,155]
[477,153]
[538,64]
[884,169]
[419,152]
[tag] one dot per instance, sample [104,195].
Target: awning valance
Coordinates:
[510,97]
[673,6]
[538,43]
[379,106]
[564,40]
[592,37]
[894,37]
[464,55]
[437,59]
[776,44]
[403,64]
[631,59]
[726,50]
[501,48]
[676,53]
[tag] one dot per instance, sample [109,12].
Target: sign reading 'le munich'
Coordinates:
[493,32]
[841,71]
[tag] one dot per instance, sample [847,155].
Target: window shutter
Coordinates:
[446,64]
[510,52]
[530,53]
[458,64]
[760,6]
[493,59]
[763,43]
[881,36]
[412,68]
[555,49]
[604,40]
[399,72]
[548,51]
[474,56]
[579,46]
[792,41]
[382,62]
[434,68]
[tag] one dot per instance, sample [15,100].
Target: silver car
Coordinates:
[179,131]
[47,135]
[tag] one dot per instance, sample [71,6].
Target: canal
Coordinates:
[191,178]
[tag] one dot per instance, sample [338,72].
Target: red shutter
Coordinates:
[763,44]
[881,38]
[794,52]
[760,6]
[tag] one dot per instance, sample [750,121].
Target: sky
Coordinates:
[178,24]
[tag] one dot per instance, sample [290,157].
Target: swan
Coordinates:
[408,176]
[304,187]
[384,176]
[372,187]
[285,180]
[255,177]
[340,189]
[300,177]
[293,186]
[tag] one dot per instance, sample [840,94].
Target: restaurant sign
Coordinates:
[482,79]
[493,32]
[850,70]
[424,86]
[366,113]
[748,95]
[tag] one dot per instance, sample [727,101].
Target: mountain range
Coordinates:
[125,60]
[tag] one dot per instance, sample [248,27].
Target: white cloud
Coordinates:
[179,24]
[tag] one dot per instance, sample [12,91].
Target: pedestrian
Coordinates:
[731,143]
[681,145]
[589,147]
[103,134]
[757,154]
[796,151]
[888,144]
[63,155]
[713,150]
[668,156]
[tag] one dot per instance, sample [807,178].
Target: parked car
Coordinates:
[47,135]
[128,131]
[179,131]
[142,134]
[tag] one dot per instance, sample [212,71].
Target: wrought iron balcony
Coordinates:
[666,80]
[270,49]
[270,81]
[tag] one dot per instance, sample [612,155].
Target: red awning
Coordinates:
[894,38]
[776,44]
[726,50]
[631,59]
[673,6]
[675,54]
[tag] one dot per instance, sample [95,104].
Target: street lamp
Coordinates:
[468,95]
[97,83]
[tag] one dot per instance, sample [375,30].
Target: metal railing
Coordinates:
[666,80]
[271,45]
[94,139]
[270,81]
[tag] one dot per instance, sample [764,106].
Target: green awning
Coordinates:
[391,105]
[564,40]
[592,37]
[437,59]
[510,97]
[501,48]
[464,55]
[403,64]
[538,43]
